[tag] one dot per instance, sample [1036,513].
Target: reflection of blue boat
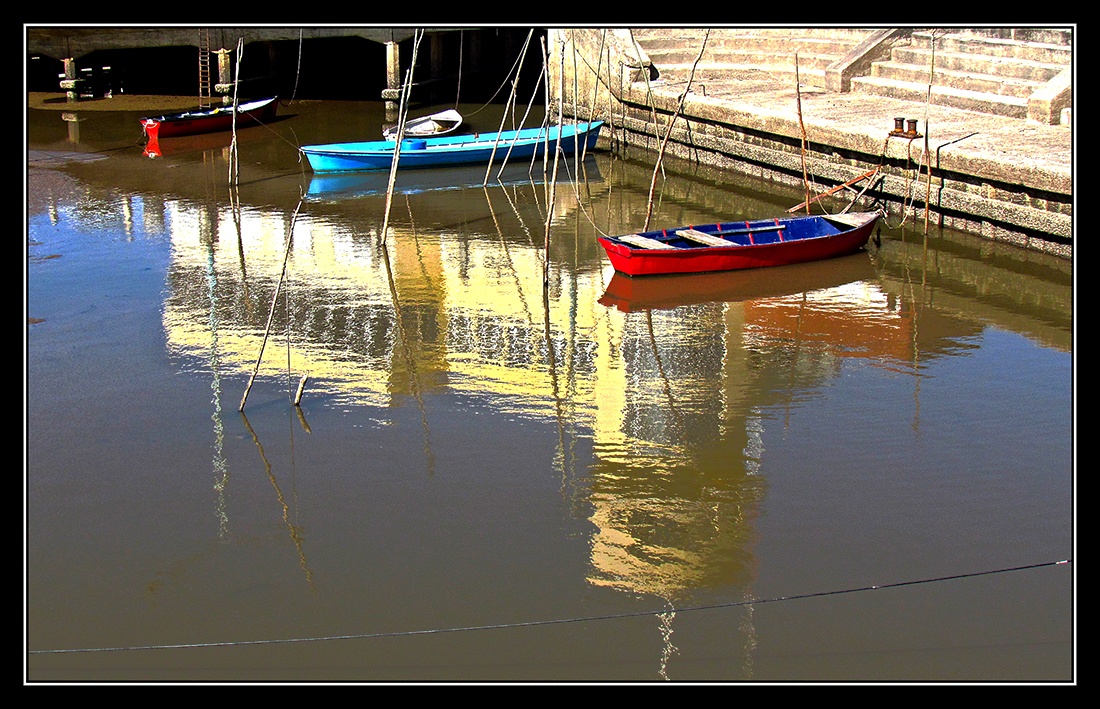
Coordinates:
[349,185]
[451,150]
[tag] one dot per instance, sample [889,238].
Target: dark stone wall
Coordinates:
[337,68]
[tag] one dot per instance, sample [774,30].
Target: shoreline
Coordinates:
[50,101]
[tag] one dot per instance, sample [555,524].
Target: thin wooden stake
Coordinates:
[554,178]
[798,99]
[522,121]
[931,79]
[849,183]
[668,132]
[234,162]
[592,111]
[301,388]
[271,311]
[403,109]
[504,116]
[649,93]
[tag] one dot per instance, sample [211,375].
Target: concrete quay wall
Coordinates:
[1003,178]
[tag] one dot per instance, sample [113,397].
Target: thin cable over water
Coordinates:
[557,621]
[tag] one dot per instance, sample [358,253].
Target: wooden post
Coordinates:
[225,76]
[69,82]
[392,92]
[301,388]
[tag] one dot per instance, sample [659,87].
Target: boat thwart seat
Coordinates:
[701,238]
[644,242]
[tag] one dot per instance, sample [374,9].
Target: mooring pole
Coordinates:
[225,75]
[392,93]
[69,83]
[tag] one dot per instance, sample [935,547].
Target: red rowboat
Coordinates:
[210,119]
[732,246]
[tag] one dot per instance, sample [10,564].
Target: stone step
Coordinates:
[651,33]
[977,82]
[732,53]
[996,104]
[669,48]
[677,59]
[1048,35]
[1009,68]
[991,71]
[992,46]
[807,75]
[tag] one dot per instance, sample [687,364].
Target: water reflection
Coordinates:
[661,390]
[670,376]
[293,529]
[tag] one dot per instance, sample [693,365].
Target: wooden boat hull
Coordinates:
[752,244]
[436,124]
[209,120]
[451,150]
[339,186]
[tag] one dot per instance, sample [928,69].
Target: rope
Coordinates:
[297,70]
[458,85]
[558,621]
[574,179]
[513,70]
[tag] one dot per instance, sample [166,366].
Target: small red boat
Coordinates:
[210,119]
[730,246]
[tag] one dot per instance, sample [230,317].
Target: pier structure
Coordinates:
[970,129]
[966,128]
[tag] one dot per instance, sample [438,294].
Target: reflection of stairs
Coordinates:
[990,71]
[738,54]
[204,68]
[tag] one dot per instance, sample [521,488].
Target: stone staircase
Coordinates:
[1017,73]
[989,71]
[742,53]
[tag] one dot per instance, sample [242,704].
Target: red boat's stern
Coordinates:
[150,128]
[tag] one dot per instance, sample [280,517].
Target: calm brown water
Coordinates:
[858,470]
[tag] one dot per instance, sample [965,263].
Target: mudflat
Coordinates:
[59,101]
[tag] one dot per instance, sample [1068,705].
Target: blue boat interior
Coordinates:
[749,233]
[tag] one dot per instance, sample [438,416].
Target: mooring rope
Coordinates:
[559,621]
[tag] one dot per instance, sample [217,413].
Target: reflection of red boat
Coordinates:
[665,292]
[155,148]
[210,119]
[739,245]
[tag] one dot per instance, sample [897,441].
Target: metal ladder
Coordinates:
[204,68]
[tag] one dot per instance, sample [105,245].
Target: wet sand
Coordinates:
[118,102]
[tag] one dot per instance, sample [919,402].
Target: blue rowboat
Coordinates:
[451,150]
[340,186]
